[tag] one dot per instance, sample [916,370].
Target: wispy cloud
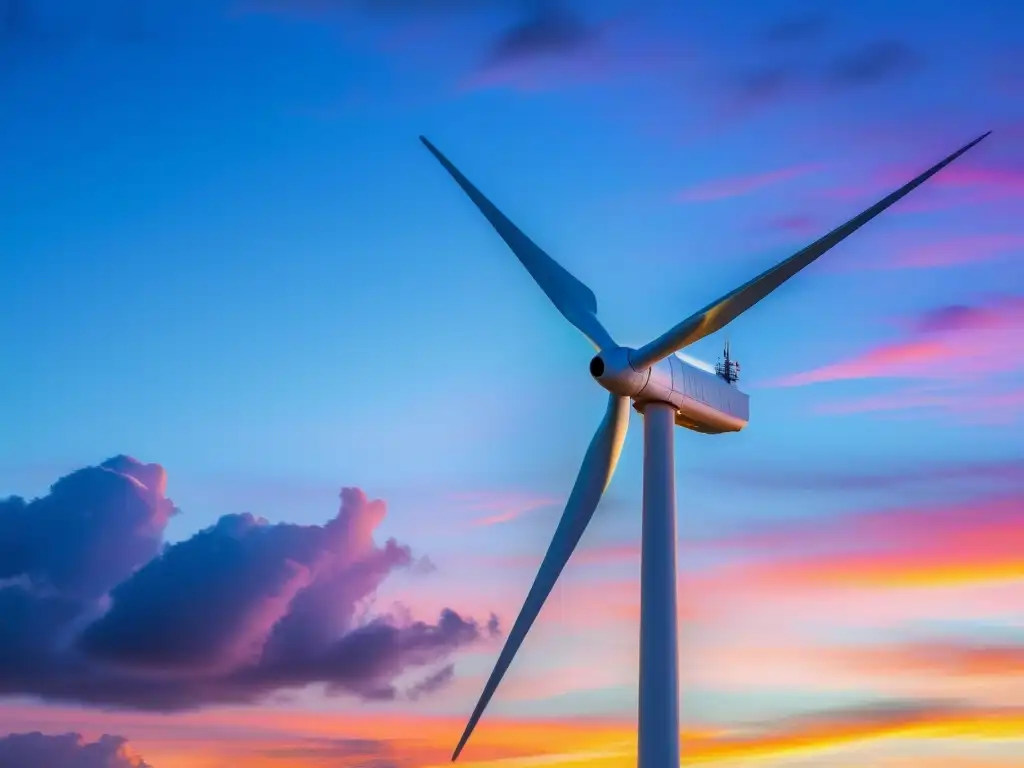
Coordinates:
[738,186]
[948,343]
[951,251]
[788,478]
[975,660]
[976,542]
[968,183]
[994,407]
[302,739]
[874,62]
[497,507]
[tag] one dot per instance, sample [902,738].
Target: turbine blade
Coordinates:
[726,309]
[571,297]
[594,476]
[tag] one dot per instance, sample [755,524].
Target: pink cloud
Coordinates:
[497,507]
[985,408]
[988,183]
[950,252]
[872,570]
[893,477]
[796,225]
[951,343]
[738,186]
[956,185]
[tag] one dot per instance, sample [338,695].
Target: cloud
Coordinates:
[320,749]
[738,186]
[311,738]
[790,479]
[93,529]
[495,508]
[947,343]
[970,182]
[541,44]
[973,542]
[826,731]
[95,608]
[872,63]
[936,658]
[950,252]
[992,408]
[987,183]
[795,224]
[553,46]
[70,750]
[550,30]
[789,69]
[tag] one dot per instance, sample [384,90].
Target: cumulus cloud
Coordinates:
[94,607]
[69,750]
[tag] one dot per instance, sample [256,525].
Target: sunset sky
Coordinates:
[234,284]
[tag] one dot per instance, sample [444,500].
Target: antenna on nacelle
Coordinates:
[727,368]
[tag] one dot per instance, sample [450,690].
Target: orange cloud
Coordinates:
[944,658]
[830,732]
[737,186]
[275,738]
[966,543]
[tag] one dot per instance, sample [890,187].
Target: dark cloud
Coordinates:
[434,683]
[69,750]
[872,63]
[550,30]
[333,749]
[1003,312]
[95,608]
[90,532]
[792,70]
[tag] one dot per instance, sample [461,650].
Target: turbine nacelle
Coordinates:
[612,369]
[704,402]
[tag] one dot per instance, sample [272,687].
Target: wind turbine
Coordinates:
[668,392]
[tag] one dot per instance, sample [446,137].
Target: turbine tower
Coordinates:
[668,392]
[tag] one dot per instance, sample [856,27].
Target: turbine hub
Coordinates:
[612,370]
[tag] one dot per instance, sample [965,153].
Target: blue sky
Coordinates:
[225,251]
